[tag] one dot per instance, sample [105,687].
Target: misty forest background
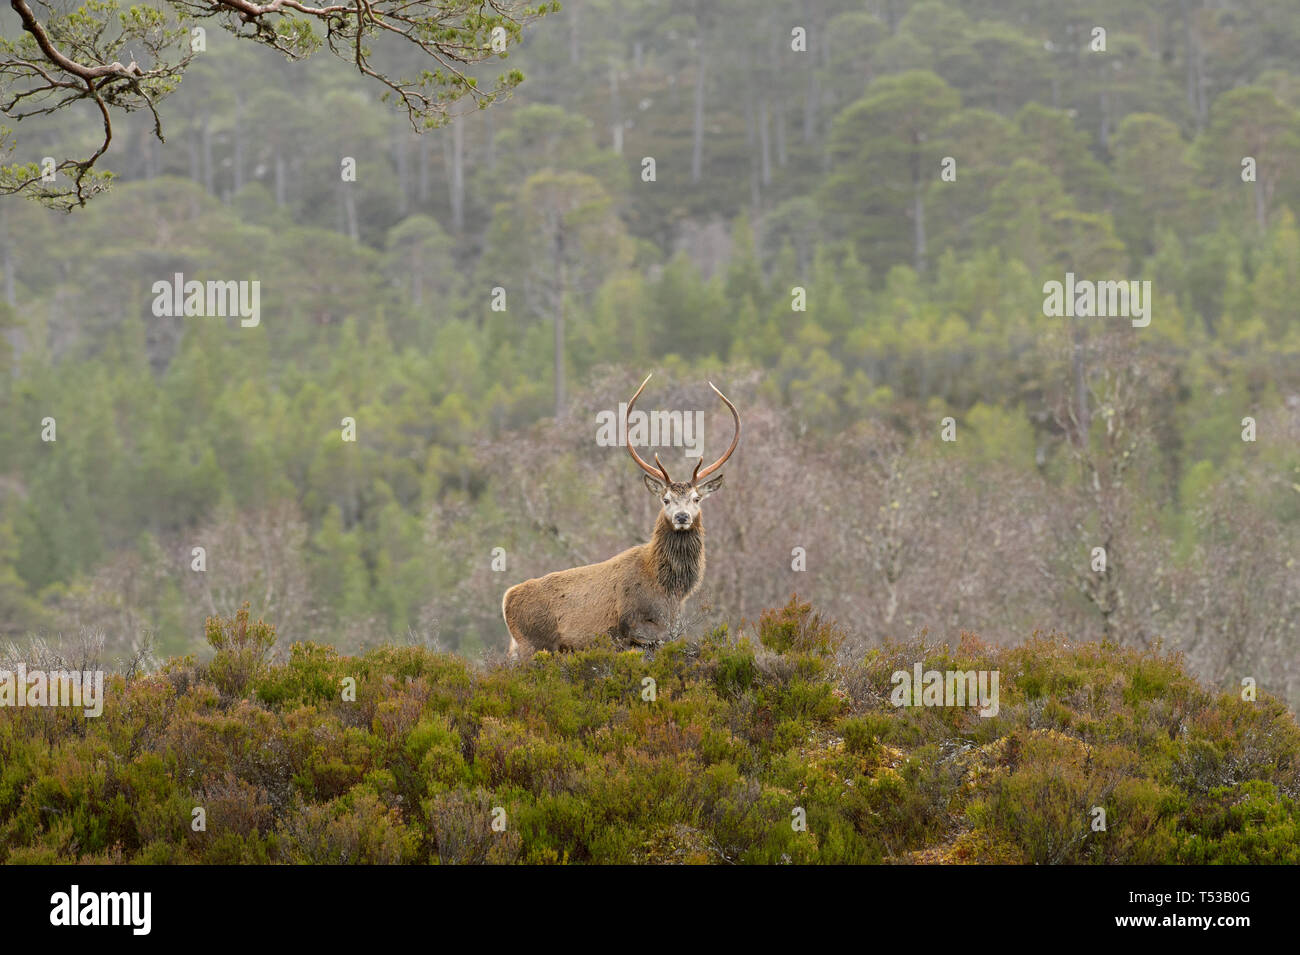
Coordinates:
[774,169]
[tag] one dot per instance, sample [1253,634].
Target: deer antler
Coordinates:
[700,475]
[662,468]
[661,474]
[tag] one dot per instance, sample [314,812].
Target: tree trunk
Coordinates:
[209,167]
[1195,66]
[779,129]
[239,143]
[11,285]
[281,178]
[196,161]
[697,141]
[1082,413]
[423,193]
[764,143]
[458,177]
[892,16]
[403,167]
[1105,120]
[615,108]
[918,217]
[575,33]
[755,186]
[559,324]
[350,211]
[812,92]
[778,107]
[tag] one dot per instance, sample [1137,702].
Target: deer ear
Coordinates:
[708,487]
[653,486]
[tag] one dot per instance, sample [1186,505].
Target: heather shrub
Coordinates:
[777,747]
[797,627]
[242,649]
[354,829]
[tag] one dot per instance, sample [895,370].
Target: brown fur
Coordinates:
[634,596]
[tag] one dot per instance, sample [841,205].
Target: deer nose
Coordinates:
[681,517]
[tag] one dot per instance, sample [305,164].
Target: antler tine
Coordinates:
[700,475]
[662,468]
[659,474]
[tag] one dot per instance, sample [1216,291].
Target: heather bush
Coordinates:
[570,758]
[242,648]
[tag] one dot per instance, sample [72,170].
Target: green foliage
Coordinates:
[796,627]
[97,40]
[242,649]
[1244,825]
[822,170]
[562,759]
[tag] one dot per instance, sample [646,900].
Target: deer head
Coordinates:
[681,499]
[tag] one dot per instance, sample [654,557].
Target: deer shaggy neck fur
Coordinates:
[677,557]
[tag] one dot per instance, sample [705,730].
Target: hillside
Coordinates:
[743,731]
[855,231]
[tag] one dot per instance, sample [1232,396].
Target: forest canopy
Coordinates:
[472,297]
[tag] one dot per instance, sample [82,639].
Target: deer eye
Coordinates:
[665,500]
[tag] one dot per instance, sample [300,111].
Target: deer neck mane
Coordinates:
[677,557]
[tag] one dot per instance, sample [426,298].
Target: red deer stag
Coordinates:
[634,596]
